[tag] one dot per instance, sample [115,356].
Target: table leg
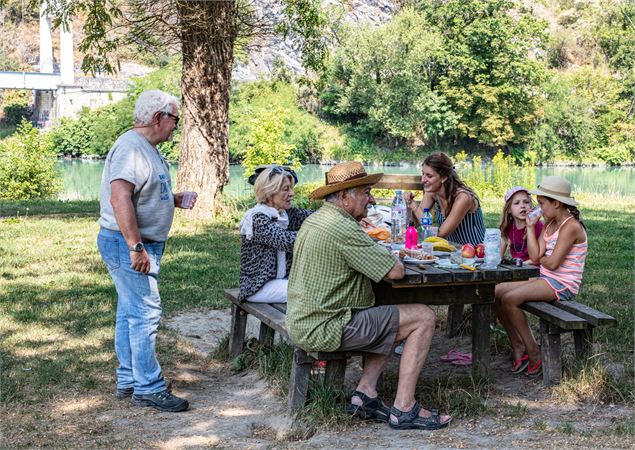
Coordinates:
[480,340]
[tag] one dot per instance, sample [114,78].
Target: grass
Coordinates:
[57,308]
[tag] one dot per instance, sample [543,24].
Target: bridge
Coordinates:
[61,94]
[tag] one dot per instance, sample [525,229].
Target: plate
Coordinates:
[440,253]
[409,260]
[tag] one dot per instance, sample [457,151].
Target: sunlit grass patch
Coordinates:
[590,382]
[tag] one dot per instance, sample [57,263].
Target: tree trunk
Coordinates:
[208,34]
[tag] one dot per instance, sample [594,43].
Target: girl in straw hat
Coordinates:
[561,251]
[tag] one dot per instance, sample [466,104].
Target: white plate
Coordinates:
[440,253]
[409,260]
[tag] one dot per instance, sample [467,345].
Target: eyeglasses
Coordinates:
[173,117]
[277,170]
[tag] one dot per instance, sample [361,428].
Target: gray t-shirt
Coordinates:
[132,158]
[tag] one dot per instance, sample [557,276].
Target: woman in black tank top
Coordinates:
[456,206]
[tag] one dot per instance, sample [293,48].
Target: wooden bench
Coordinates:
[562,317]
[271,318]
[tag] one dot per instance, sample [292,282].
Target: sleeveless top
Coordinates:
[518,247]
[471,229]
[569,273]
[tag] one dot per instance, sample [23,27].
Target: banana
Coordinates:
[440,244]
[443,247]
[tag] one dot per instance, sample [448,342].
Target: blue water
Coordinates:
[82,178]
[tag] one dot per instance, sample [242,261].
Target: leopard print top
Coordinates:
[258,256]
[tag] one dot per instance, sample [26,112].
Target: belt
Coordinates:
[148,241]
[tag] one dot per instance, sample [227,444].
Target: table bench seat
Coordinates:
[271,317]
[561,317]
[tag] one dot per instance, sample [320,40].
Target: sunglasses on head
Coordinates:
[274,169]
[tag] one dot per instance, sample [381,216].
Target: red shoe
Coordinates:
[521,364]
[535,370]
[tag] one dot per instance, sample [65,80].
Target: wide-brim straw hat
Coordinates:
[557,188]
[344,176]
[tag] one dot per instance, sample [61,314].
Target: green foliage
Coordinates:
[382,80]
[94,132]
[27,165]
[15,106]
[269,146]
[584,119]
[309,137]
[444,69]
[492,179]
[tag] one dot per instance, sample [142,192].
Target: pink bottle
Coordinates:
[412,237]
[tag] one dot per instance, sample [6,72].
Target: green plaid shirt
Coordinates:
[333,264]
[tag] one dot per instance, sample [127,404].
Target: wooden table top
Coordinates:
[431,275]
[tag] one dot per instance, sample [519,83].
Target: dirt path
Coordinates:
[240,412]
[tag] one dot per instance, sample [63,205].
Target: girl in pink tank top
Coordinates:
[561,251]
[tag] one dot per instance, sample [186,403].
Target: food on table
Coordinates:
[378,233]
[440,244]
[480,251]
[415,254]
[468,251]
[465,266]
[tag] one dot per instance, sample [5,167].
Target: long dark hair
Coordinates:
[442,164]
[575,212]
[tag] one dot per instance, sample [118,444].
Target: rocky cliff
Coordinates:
[264,52]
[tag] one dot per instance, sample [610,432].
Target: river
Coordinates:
[81,178]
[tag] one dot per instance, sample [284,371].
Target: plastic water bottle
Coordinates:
[492,248]
[412,237]
[398,213]
[426,224]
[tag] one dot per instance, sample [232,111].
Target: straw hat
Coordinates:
[344,176]
[557,188]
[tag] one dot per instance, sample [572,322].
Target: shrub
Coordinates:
[15,106]
[27,165]
[269,146]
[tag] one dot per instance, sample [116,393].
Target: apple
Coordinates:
[468,251]
[480,251]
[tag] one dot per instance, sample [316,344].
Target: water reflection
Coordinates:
[82,178]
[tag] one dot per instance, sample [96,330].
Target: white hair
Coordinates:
[151,102]
[334,197]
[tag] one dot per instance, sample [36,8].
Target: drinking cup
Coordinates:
[188,199]
[427,247]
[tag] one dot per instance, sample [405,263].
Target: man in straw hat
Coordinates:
[331,305]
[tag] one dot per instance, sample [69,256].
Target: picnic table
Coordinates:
[431,285]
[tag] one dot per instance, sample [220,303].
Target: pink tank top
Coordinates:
[569,273]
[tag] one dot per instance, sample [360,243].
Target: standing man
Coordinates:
[136,212]
[331,305]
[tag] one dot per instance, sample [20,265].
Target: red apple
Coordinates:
[480,251]
[468,251]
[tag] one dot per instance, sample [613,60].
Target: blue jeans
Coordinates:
[138,313]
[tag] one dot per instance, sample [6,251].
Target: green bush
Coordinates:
[441,70]
[27,165]
[15,106]
[493,179]
[310,137]
[268,146]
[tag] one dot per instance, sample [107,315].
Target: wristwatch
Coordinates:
[138,247]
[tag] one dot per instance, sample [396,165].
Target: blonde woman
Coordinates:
[268,232]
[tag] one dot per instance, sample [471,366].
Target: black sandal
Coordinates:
[410,420]
[370,409]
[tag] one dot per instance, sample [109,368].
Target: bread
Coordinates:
[379,233]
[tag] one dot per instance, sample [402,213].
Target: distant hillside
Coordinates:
[569,25]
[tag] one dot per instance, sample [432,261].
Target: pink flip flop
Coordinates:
[454,355]
[465,361]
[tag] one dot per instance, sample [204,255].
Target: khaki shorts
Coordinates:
[371,330]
